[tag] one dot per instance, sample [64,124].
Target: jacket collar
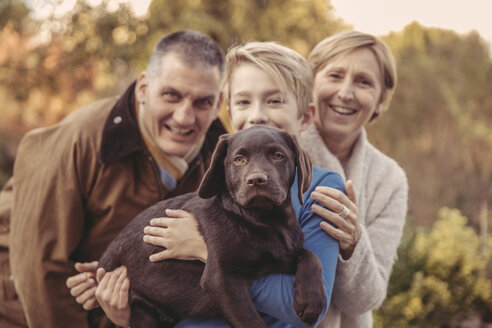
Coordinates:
[121,135]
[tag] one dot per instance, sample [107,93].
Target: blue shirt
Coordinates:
[273,295]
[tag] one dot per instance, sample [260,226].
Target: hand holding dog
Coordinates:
[179,234]
[336,203]
[112,295]
[83,285]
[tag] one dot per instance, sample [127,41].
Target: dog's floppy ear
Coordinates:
[214,179]
[303,166]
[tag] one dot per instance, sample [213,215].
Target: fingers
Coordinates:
[340,235]
[112,294]
[88,298]
[164,255]
[335,199]
[78,288]
[83,288]
[349,188]
[329,216]
[112,289]
[76,280]
[155,231]
[178,214]
[87,266]
[156,241]
[100,274]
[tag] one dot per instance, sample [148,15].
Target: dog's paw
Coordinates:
[309,303]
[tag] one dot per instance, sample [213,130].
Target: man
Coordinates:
[78,183]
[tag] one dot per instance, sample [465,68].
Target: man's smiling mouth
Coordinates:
[180,131]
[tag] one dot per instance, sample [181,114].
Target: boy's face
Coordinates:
[255,98]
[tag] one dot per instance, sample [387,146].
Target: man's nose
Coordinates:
[184,113]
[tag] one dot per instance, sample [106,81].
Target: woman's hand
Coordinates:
[342,211]
[179,234]
[112,295]
[83,285]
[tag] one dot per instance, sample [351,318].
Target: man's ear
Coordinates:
[307,117]
[218,106]
[141,87]
[214,179]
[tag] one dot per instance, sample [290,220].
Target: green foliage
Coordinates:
[439,126]
[300,25]
[439,278]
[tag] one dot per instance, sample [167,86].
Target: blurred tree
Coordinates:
[87,55]
[439,279]
[299,24]
[439,127]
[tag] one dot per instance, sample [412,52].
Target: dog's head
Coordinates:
[257,166]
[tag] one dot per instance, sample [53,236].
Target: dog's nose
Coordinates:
[256,180]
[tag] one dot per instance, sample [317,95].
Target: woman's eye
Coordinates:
[239,160]
[335,76]
[365,82]
[278,156]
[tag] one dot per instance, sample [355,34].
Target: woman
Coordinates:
[265,84]
[354,81]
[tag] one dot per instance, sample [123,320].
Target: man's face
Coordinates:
[179,103]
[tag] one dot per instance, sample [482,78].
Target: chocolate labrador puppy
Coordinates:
[244,210]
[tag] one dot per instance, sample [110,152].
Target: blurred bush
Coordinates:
[439,278]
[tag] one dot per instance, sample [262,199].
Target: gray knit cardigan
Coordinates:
[381,189]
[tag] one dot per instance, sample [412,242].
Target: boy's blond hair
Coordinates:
[342,43]
[287,68]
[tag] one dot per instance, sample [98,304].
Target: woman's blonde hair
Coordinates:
[287,68]
[342,43]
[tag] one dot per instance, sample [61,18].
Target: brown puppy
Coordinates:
[245,214]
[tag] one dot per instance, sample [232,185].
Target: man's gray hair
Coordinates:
[193,47]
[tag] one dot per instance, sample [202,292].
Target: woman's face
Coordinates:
[347,92]
[255,98]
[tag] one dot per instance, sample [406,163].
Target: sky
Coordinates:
[377,17]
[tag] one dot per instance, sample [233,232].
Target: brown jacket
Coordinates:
[77,184]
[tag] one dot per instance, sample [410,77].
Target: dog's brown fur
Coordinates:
[245,214]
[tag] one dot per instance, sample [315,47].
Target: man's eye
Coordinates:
[277,156]
[203,103]
[239,160]
[170,96]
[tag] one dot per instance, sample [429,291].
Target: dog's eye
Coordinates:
[239,159]
[278,156]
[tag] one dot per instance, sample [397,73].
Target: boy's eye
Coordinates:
[276,101]
[242,102]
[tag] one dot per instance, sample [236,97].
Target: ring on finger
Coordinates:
[345,212]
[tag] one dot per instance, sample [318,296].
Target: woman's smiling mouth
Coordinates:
[342,110]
